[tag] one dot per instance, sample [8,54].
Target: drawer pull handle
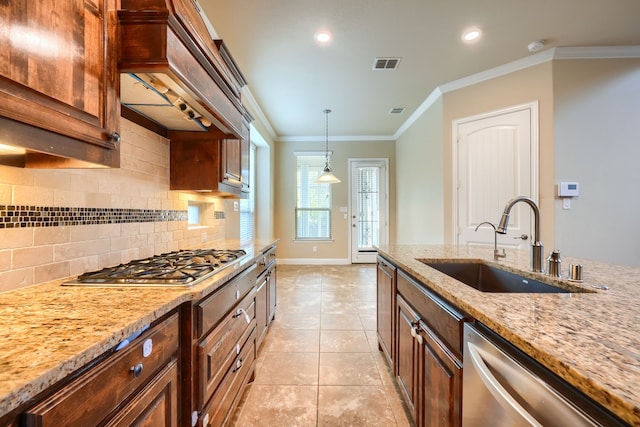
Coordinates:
[415,332]
[240,312]
[238,365]
[136,370]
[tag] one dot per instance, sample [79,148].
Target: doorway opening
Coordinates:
[368,207]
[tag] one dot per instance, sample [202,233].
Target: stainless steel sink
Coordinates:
[490,279]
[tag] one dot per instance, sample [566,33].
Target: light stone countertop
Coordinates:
[49,331]
[591,340]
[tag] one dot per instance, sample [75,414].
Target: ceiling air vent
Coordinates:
[386,63]
[397,110]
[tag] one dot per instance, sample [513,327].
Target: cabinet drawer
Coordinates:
[92,396]
[212,309]
[156,404]
[217,352]
[446,321]
[268,257]
[225,398]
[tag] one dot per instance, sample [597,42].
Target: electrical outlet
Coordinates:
[315,249]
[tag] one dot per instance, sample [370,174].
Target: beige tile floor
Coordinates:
[319,364]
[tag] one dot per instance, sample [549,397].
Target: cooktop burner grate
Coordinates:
[183,267]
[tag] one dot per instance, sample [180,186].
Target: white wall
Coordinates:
[597,142]
[336,251]
[419,180]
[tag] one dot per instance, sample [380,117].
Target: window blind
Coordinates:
[247,206]
[313,199]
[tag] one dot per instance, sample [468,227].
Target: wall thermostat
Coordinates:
[568,189]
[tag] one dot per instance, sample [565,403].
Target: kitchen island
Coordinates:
[50,331]
[588,339]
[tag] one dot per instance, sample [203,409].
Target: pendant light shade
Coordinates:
[327,176]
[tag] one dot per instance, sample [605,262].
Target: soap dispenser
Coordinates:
[554,264]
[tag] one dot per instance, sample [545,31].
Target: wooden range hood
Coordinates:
[168,41]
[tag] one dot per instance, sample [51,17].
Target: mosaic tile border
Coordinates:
[18,216]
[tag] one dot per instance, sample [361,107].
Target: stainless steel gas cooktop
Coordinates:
[180,268]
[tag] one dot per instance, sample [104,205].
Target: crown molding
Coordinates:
[557,53]
[426,104]
[597,52]
[322,138]
[249,100]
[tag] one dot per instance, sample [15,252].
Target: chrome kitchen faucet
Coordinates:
[496,253]
[537,247]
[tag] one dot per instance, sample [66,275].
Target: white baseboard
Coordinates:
[313,261]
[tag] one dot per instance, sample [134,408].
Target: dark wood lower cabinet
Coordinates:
[188,369]
[386,303]
[262,320]
[439,383]
[429,376]
[428,363]
[407,355]
[137,385]
[156,405]
[266,296]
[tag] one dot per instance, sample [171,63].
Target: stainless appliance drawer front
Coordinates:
[499,391]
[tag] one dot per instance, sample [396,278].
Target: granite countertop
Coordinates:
[49,331]
[591,339]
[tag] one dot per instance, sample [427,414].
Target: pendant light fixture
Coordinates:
[327,177]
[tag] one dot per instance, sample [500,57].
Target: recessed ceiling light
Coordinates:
[471,34]
[323,36]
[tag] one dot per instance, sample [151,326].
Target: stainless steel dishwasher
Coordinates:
[503,387]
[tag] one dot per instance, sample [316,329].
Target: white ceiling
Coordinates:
[293,79]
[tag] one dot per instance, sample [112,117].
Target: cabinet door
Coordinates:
[154,406]
[59,73]
[245,163]
[406,357]
[386,291]
[261,311]
[232,168]
[440,383]
[272,292]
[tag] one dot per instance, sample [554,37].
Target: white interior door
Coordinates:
[368,208]
[496,161]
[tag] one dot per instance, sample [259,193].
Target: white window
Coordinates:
[313,200]
[247,206]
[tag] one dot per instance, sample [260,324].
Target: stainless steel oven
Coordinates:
[503,387]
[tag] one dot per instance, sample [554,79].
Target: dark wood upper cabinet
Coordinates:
[232,170]
[205,162]
[168,40]
[59,83]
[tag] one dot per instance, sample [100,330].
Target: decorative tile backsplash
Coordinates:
[15,216]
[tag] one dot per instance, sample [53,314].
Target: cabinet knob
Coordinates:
[115,137]
[136,370]
[238,365]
